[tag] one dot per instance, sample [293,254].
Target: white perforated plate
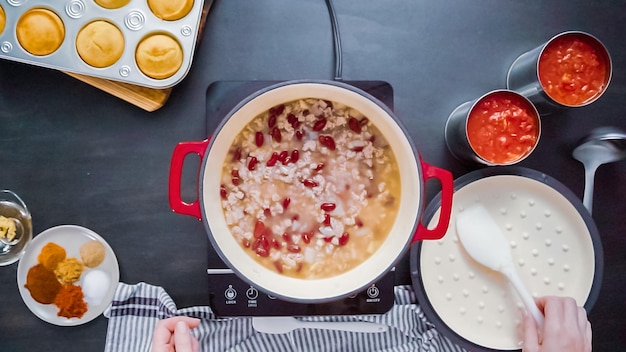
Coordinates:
[552,248]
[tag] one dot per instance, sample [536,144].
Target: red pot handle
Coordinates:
[447,190]
[176,171]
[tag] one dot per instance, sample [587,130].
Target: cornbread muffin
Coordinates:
[112,4]
[170,10]
[159,56]
[3,19]
[92,253]
[100,44]
[40,31]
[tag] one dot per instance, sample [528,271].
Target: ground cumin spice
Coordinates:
[70,302]
[69,270]
[51,255]
[42,284]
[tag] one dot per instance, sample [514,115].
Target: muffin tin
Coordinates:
[135,20]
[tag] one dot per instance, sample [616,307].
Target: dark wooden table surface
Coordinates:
[80,156]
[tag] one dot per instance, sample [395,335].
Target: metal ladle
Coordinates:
[603,145]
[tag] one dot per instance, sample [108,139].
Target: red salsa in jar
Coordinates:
[503,127]
[574,69]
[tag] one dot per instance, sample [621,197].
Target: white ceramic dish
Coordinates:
[70,237]
[555,247]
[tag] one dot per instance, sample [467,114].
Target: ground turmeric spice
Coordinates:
[69,270]
[42,284]
[51,254]
[70,302]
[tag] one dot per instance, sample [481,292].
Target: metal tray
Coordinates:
[135,20]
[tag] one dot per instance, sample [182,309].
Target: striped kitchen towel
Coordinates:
[135,310]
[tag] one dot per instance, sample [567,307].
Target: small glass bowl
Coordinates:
[13,210]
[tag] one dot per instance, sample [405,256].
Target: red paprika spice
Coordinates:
[70,302]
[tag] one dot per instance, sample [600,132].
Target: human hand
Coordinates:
[173,335]
[566,327]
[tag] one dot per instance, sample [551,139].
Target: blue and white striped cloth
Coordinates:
[135,310]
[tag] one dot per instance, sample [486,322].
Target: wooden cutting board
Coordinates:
[149,99]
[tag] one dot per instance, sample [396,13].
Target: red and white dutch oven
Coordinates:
[406,230]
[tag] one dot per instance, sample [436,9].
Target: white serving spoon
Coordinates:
[281,325]
[482,239]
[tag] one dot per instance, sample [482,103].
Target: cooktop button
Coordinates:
[252,293]
[373,292]
[230,293]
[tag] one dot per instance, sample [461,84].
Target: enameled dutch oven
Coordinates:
[406,230]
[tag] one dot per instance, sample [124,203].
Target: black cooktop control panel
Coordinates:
[230,296]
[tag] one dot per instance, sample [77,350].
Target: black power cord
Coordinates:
[336,40]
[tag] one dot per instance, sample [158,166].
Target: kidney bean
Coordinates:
[328,206]
[237,154]
[292,119]
[223,192]
[252,163]
[327,141]
[277,110]
[235,177]
[283,156]
[262,252]
[265,243]
[319,125]
[271,121]
[286,202]
[275,133]
[310,183]
[259,228]
[343,239]
[294,248]
[272,160]
[259,139]
[295,155]
[354,125]
[326,219]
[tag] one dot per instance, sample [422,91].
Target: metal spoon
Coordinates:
[281,325]
[484,242]
[603,145]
